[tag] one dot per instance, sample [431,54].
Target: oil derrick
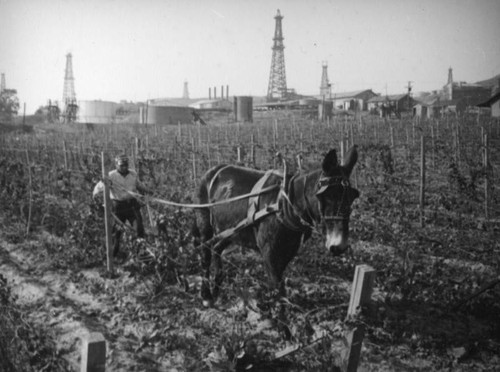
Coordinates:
[277,78]
[69,97]
[185,94]
[325,88]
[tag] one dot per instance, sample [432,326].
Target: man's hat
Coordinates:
[121,160]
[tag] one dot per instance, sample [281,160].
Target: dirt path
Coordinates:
[58,300]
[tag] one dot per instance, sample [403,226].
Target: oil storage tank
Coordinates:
[165,115]
[243,108]
[325,110]
[96,112]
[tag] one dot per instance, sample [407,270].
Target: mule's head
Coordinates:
[335,196]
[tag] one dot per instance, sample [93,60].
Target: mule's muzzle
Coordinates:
[337,250]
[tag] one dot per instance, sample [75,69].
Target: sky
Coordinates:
[136,50]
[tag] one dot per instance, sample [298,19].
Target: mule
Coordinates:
[320,199]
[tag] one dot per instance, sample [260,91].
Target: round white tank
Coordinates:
[96,112]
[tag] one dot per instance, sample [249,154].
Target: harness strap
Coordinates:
[253,202]
[289,216]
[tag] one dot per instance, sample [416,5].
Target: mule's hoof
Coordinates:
[208,303]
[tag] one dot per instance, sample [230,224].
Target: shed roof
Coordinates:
[394,97]
[490,101]
[353,94]
[447,102]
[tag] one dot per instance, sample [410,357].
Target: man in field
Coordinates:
[125,206]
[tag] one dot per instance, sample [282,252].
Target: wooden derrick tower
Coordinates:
[325,88]
[277,78]
[69,97]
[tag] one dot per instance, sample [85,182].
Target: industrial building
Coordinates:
[356,100]
[471,94]
[400,102]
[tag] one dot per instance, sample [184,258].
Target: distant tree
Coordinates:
[9,105]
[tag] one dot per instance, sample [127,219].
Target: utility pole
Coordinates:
[2,84]
[409,87]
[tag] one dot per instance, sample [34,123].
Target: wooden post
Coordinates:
[433,144]
[239,154]
[361,292]
[351,127]
[198,125]
[299,162]
[342,151]
[422,180]
[137,147]
[275,133]
[413,132]
[193,159]
[93,353]
[486,175]
[65,156]
[209,159]
[252,150]
[107,217]
[407,143]
[30,188]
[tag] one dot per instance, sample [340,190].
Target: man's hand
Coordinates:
[99,202]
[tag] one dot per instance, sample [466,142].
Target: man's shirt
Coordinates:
[119,185]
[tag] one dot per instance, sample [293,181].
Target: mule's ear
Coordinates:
[330,162]
[350,159]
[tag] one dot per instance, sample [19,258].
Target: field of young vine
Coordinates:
[428,221]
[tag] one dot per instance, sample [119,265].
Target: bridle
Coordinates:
[323,184]
[291,218]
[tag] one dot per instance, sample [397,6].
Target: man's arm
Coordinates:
[142,188]
[98,189]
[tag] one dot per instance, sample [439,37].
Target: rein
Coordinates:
[207,205]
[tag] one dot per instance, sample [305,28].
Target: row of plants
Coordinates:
[415,274]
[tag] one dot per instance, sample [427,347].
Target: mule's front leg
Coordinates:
[206,261]
[218,272]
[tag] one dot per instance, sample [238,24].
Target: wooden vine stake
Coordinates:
[239,154]
[107,217]
[65,156]
[30,188]
[486,183]
[252,150]
[193,160]
[422,180]
[361,293]
[93,353]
